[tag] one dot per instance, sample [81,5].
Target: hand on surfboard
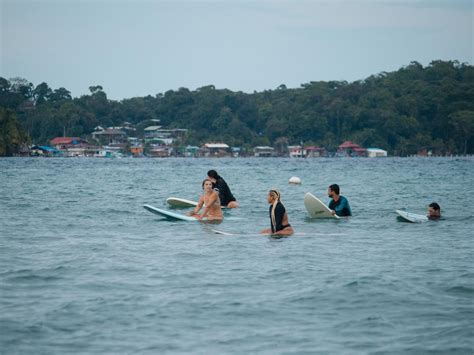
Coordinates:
[195,215]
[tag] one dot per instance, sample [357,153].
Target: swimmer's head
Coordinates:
[273,195]
[206,184]
[213,175]
[434,210]
[333,188]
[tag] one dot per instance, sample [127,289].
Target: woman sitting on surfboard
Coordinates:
[278,216]
[225,195]
[210,199]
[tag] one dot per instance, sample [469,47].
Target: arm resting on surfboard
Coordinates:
[198,207]
[213,198]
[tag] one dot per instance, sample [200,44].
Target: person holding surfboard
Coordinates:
[434,211]
[210,199]
[338,204]
[278,217]
[227,199]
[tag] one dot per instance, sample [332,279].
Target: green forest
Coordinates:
[402,111]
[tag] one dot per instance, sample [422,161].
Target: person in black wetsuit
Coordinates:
[225,195]
[278,217]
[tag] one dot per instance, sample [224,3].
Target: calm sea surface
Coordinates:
[85,269]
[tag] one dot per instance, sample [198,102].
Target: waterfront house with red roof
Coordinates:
[72,146]
[63,143]
[350,149]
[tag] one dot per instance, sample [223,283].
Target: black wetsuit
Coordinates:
[224,192]
[279,213]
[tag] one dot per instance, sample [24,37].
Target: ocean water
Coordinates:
[85,269]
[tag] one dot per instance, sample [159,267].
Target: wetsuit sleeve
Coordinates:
[220,187]
[279,213]
[331,204]
[343,209]
[224,192]
[347,208]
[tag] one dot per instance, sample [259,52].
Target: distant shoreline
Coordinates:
[249,157]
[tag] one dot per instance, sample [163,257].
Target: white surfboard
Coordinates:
[169,214]
[316,208]
[180,202]
[177,202]
[249,234]
[412,217]
[222,232]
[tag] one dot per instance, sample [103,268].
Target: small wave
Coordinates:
[351,284]
[363,280]
[309,299]
[33,277]
[461,290]
[436,270]
[27,275]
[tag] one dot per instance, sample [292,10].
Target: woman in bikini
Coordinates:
[212,205]
[278,216]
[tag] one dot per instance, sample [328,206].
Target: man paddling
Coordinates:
[338,204]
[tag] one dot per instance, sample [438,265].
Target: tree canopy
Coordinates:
[402,111]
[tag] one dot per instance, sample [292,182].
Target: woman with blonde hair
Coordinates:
[210,199]
[278,216]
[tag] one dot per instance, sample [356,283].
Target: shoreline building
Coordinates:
[296,151]
[214,150]
[72,146]
[157,134]
[376,152]
[110,136]
[350,149]
[264,151]
[315,152]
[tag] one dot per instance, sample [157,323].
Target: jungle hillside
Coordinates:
[402,111]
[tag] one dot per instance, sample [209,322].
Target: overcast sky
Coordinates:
[139,48]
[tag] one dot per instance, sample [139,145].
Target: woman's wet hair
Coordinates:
[213,174]
[276,198]
[434,206]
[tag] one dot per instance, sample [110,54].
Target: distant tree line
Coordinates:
[414,107]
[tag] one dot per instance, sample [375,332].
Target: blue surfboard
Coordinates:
[169,214]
